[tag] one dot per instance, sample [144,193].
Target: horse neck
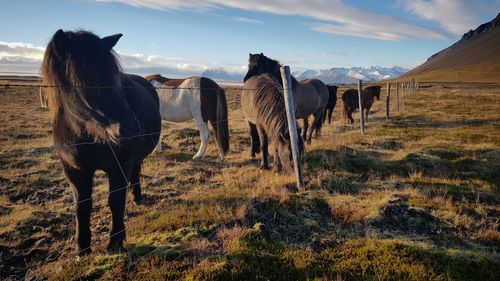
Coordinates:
[277,75]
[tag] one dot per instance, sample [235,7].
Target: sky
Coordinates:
[180,38]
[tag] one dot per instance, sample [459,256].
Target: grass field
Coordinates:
[417,198]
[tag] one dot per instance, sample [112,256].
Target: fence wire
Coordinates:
[403,95]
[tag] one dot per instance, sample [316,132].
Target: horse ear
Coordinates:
[61,42]
[110,41]
[261,54]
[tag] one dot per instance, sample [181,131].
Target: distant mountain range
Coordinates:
[332,75]
[351,75]
[222,75]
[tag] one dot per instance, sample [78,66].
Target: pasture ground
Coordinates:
[417,198]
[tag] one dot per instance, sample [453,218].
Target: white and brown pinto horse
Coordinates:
[197,98]
[310,96]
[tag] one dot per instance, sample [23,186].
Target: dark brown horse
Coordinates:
[102,119]
[310,96]
[351,101]
[332,101]
[262,103]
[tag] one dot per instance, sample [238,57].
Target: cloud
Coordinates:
[338,17]
[247,20]
[455,16]
[14,49]
[25,58]
[168,5]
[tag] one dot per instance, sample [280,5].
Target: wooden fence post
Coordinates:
[361,115]
[292,124]
[43,98]
[387,99]
[397,96]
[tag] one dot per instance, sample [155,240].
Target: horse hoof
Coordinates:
[196,157]
[137,201]
[264,167]
[116,248]
[82,253]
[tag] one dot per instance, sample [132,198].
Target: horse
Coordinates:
[310,95]
[197,98]
[262,103]
[332,101]
[351,101]
[102,119]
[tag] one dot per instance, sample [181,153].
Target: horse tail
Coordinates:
[221,127]
[319,123]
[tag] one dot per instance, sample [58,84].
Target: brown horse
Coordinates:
[351,101]
[102,119]
[262,103]
[310,96]
[332,101]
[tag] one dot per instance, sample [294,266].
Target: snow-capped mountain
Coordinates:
[332,75]
[223,75]
[351,75]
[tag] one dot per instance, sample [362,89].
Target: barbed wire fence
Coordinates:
[395,104]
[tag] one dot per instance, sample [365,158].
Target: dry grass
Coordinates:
[416,198]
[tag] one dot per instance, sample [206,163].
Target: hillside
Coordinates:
[474,58]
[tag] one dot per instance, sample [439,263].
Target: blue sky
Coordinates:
[185,37]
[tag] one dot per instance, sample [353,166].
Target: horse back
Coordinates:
[144,102]
[350,95]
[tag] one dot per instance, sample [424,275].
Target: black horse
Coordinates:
[103,119]
[332,101]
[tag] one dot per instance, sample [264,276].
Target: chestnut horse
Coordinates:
[351,101]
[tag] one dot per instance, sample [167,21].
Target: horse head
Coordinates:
[285,150]
[87,80]
[259,64]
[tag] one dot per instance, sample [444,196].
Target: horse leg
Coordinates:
[317,124]
[312,129]
[204,135]
[158,147]
[116,201]
[330,113]
[254,139]
[277,162]
[351,120]
[263,147]
[81,181]
[135,183]
[367,112]
[306,127]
